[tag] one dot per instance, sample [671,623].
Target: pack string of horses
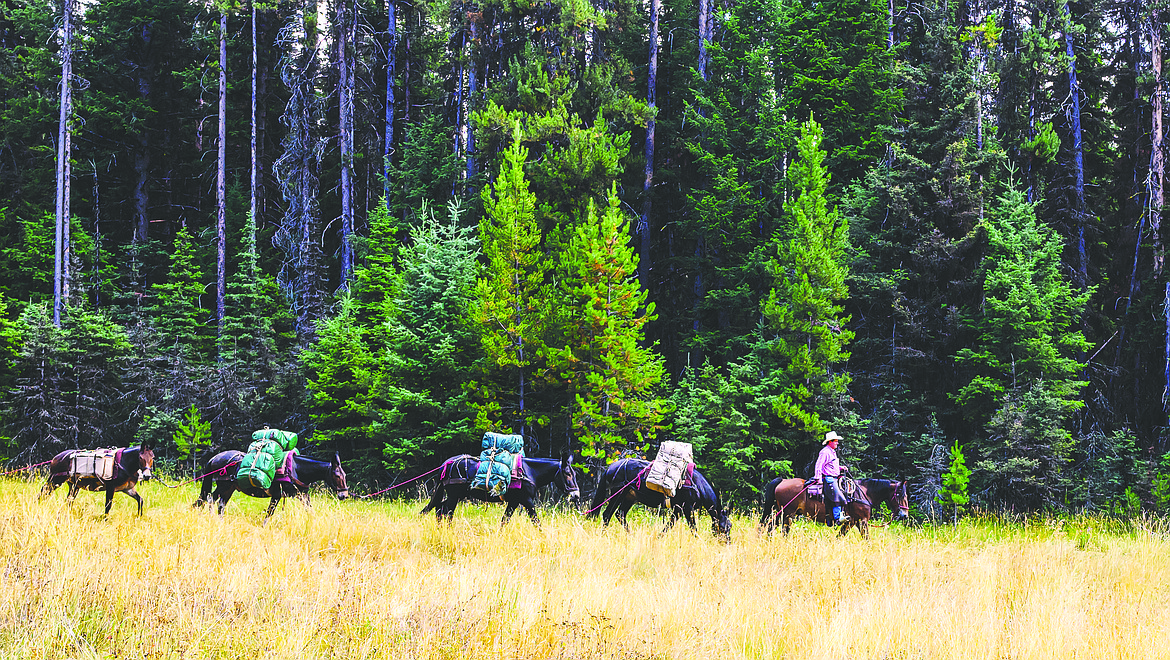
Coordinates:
[620,486]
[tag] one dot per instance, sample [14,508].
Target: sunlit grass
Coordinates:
[376,580]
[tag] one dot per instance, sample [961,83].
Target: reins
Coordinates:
[403,483]
[615,493]
[27,467]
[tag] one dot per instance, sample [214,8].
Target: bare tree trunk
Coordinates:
[391,62]
[704,25]
[651,100]
[254,203]
[1157,147]
[221,184]
[346,15]
[474,18]
[60,251]
[1079,211]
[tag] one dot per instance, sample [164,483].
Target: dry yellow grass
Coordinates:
[375,580]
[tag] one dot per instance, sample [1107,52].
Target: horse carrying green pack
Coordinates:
[497,462]
[266,453]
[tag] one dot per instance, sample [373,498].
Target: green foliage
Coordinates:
[1045,145]
[512,299]
[1024,461]
[433,346]
[806,329]
[611,375]
[1161,485]
[1027,321]
[178,317]
[955,482]
[192,436]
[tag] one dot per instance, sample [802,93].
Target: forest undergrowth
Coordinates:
[373,579]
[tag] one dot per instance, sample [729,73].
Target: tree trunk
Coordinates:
[651,100]
[704,21]
[221,184]
[254,202]
[391,62]
[471,85]
[1079,212]
[346,19]
[60,265]
[1157,153]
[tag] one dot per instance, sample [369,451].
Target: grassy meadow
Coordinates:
[375,580]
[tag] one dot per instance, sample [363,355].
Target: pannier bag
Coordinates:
[267,451]
[100,463]
[668,469]
[497,461]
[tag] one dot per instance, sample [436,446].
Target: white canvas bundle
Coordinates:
[668,469]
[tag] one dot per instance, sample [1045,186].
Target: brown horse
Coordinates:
[786,499]
[131,464]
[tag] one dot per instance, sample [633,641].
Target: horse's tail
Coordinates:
[768,520]
[599,495]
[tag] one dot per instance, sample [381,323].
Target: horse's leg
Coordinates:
[204,491]
[508,511]
[786,520]
[110,499]
[436,500]
[138,498]
[223,493]
[863,527]
[74,488]
[49,487]
[529,502]
[609,511]
[623,509]
[689,512]
[272,507]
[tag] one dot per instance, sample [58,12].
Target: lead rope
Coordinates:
[218,471]
[615,493]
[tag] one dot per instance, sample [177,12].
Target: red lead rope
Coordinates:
[403,483]
[636,477]
[27,467]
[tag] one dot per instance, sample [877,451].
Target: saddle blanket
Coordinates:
[670,466]
[100,463]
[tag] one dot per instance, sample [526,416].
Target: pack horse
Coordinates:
[501,474]
[113,470]
[271,468]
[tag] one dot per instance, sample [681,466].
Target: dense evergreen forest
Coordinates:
[390,225]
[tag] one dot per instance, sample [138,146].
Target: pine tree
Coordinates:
[511,297]
[178,316]
[1023,373]
[954,484]
[192,435]
[433,346]
[611,375]
[805,333]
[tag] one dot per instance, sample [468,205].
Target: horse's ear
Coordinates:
[336,458]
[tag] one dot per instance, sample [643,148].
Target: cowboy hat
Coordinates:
[831,436]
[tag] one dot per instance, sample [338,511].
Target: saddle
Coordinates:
[98,463]
[848,485]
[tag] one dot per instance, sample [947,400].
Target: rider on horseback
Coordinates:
[828,470]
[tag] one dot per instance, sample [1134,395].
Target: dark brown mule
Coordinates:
[220,481]
[133,463]
[786,499]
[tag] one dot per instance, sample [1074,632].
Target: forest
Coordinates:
[933,226]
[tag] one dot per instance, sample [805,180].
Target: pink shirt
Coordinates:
[827,465]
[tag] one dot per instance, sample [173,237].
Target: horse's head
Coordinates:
[899,501]
[566,478]
[337,478]
[145,463]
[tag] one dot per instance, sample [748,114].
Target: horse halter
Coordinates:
[566,472]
